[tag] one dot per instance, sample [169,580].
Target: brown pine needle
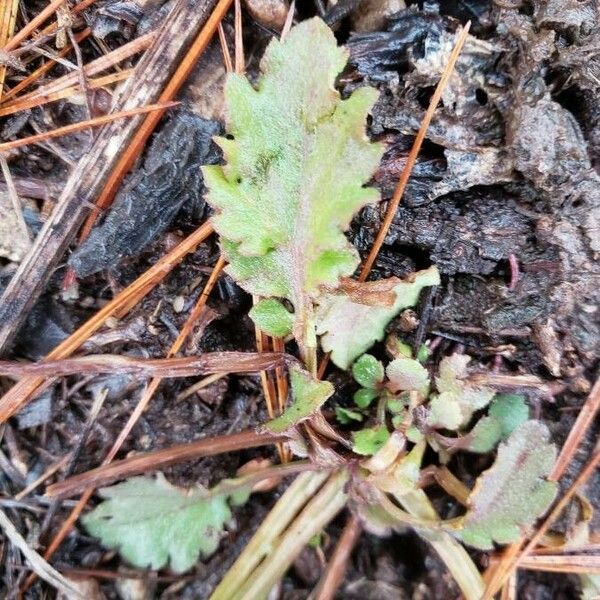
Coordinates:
[32,25]
[240,60]
[7,28]
[513,555]
[30,79]
[19,105]
[225,49]
[408,167]
[23,391]
[96,122]
[584,563]
[39,19]
[414,151]
[102,63]
[336,568]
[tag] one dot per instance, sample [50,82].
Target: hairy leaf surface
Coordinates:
[295,169]
[513,492]
[349,328]
[151,522]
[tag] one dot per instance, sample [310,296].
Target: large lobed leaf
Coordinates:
[295,169]
[152,522]
[513,492]
[350,324]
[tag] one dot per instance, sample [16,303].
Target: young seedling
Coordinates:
[297,161]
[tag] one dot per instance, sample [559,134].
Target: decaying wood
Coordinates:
[186,366]
[151,461]
[150,76]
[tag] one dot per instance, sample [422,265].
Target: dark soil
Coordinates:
[504,199]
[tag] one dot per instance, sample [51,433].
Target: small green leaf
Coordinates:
[345,415]
[272,317]
[407,374]
[423,353]
[151,522]
[506,413]
[308,395]
[510,410]
[485,435]
[513,492]
[363,397]
[368,441]
[349,328]
[368,371]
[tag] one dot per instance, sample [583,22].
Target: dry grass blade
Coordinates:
[414,151]
[151,461]
[96,122]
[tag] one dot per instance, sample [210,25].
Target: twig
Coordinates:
[38,564]
[336,568]
[183,366]
[151,461]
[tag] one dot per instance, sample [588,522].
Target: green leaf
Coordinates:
[506,413]
[368,371]
[272,317]
[151,522]
[510,410]
[368,441]
[345,415]
[513,492]
[295,169]
[349,328]
[308,395]
[485,435]
[407,374]
[363,397]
